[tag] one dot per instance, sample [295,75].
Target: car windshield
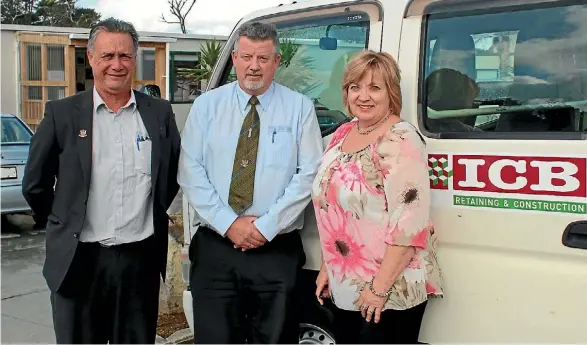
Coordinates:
[14,132]
[507,71]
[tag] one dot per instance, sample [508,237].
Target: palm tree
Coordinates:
[208,58]
[296,68]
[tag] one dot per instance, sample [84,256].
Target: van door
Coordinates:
[501,93]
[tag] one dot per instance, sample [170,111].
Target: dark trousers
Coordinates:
[245,297]
[394,327]
[110,294]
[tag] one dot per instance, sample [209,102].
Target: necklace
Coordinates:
[375,126]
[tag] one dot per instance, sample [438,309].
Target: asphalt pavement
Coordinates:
[25,306]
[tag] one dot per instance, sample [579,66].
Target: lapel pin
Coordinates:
[83,133]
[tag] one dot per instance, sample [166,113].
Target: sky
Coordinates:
[213,17]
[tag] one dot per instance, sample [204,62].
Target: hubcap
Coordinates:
[310,334]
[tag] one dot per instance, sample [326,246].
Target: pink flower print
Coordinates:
[410,149]
[415,263]
[335,164]
[377,159]
[419,240]
[430,289]
[339,134]
[342,253]
[385,155]
[371,234]
[350,174]
[330,219]
[332,192]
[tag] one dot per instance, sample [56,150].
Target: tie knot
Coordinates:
[253,100]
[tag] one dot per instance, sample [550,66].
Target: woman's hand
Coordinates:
[370,305]
[322,287]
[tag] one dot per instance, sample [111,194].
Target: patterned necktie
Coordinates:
[242,185]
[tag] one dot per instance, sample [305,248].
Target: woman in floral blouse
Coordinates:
[372,203]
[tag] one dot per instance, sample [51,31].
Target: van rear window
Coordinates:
[518,72]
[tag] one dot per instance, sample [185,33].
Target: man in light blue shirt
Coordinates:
[250,152]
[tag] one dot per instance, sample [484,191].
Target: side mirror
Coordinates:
[328,43]
[151,90]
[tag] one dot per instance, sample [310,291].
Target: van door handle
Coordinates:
[575,235]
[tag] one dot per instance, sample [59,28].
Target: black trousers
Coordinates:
[110,294]
[394,327]
[245,297]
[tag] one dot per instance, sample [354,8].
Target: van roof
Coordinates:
[412,7]
[304,6]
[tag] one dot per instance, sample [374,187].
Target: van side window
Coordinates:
[506,72]
[314,54]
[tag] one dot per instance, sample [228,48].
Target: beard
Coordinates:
[254,85]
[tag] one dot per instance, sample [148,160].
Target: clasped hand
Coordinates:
[244,234]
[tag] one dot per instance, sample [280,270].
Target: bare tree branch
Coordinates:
[165,20]
[176,8]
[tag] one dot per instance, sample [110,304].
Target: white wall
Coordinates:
[8,73]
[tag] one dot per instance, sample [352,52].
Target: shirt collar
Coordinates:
[98,101]
[264,98]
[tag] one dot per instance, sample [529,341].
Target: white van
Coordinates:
[499,90]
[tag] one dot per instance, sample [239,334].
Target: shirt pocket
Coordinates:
[281,147]
[143,157]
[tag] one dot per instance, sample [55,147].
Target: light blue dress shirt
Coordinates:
[289,154]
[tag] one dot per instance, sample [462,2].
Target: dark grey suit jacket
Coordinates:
[59,154]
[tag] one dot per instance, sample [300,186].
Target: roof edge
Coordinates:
[70,30]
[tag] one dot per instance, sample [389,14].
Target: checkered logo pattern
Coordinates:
[439,171]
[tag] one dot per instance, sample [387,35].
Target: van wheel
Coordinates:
[310,334]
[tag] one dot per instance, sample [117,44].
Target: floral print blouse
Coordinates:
[372,198]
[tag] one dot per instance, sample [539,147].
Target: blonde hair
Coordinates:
[380,62]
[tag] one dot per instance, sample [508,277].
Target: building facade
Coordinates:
[47,63]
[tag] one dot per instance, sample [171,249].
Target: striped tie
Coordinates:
[242,185]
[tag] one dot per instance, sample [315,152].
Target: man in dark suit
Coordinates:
[102,173]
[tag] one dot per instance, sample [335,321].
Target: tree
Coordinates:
[64,13]
[55,12]
[85,17]
[18,11]
[296,70]
[177,9]
[208,58]
[48,13]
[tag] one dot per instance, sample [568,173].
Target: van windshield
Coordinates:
[524,70]
[314,53]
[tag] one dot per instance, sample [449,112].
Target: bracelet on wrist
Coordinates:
[378,294]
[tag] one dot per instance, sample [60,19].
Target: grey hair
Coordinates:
[258,31]
[115,26]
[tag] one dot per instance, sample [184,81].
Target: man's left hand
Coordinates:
[252,235]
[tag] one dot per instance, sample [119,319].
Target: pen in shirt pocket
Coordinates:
[138,141]
[273,136]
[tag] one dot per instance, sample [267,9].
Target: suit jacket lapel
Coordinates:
[151,121]
[83,122]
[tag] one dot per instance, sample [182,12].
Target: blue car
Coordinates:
[16,138]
